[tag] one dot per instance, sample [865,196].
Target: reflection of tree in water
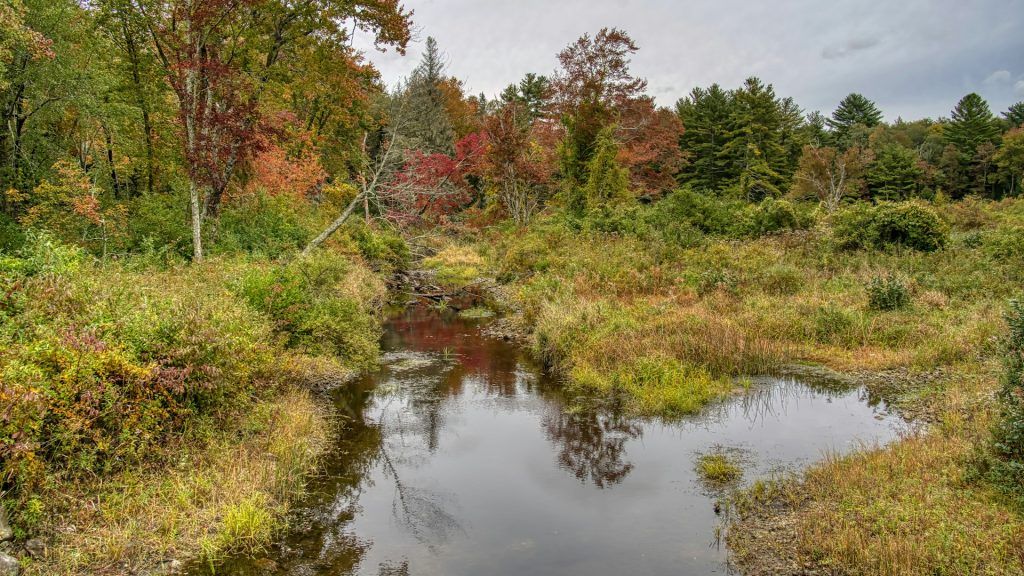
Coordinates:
[592,445]
[420,511]
[389,569]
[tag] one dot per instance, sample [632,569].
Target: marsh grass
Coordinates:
[639,315]
[228,496]
[719,468]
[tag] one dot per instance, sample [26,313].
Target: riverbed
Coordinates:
[462,457]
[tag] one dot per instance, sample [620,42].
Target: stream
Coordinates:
[461,457]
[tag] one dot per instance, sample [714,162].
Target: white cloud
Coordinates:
[998,77]
[1018,88]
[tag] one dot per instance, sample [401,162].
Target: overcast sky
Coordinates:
[915,58]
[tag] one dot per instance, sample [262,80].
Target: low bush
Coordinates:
[100,368]
[717,280]
[104,367]
[160,222]
[1004,244]
[383,249]
[307,308]
[770,216]
[887,293]
[265,225]
[911,224]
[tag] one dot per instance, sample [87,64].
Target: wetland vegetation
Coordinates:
[732,321]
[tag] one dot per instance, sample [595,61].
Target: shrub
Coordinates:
[888,293]
[100,367]
[382,249]
[1004,244]
[308,309]
[769,216]
[11,235]
[709,214]
[911,224]
[1008,438]
[160,220]
[717,280]
[265,225]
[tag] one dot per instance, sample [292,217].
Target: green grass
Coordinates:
[718,469]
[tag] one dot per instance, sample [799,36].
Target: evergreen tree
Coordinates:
[705,115]
[972,131]
[607,180]
[813,129]
[533,92]
[792,137]
[424,122]
[852,111]
[895,174]
[1015,115]
[755,145]
[972,124]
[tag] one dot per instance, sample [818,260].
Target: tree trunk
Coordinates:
[316,242]
[197,222]
[114,182]
[141,101]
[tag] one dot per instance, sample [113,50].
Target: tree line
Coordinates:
[121,115]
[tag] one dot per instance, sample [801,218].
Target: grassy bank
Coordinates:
[157,412]
[660,308]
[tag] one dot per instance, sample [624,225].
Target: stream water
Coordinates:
[459,457]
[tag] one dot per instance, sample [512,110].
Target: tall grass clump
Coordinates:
[886,293]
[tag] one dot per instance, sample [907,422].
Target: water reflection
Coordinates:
[591,446]
[460,457]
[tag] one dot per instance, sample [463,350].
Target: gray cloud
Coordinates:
[998,77]
[915,58]
[848,48]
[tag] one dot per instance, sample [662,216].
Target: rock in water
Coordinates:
[9,566]
[5,527]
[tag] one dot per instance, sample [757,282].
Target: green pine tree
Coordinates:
[705,114]
[854,110]
[972,124]
[756,140]
[971,132]
[895,174]
[1014,116]
[424,121]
